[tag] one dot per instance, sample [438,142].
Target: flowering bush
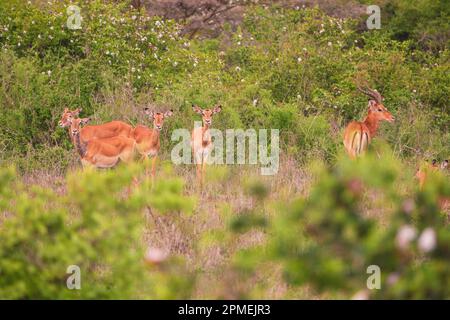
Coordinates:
[94,226]
[326,241]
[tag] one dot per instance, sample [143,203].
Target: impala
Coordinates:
[358,135]
[101,152]
[422,175]
[201,142]
[422,171]
[148,140]
[106,130]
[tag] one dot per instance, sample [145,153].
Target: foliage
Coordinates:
[325,240]
[95,226]
[281,64]
[293,69]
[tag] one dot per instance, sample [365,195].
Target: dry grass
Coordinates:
[224,196]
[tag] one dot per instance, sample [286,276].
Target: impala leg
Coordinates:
[198,164]
[204,158]
[153,168]
[146,165]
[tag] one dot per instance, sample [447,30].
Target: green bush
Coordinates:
[278,65]
[95,226]
[327,242]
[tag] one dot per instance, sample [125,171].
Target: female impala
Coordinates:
[358,135]
[101,152]
[106,130]
[422,175]
[201,139]
[147,140]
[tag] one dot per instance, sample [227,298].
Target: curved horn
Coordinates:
[371,93]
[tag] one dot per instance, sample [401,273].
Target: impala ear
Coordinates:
[76,112]
[83,121]
[217,109]
[372,104]
[168,113]
[197,109]
[148,111]
[444,164]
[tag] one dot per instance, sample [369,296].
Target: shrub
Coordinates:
[96,227]
[326,241]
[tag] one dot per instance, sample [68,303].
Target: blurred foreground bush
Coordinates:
[96,226]
[328,240]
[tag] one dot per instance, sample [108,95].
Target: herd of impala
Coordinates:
[105,145]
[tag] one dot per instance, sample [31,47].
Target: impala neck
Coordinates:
[70,134]
[372,124]
[156,133]
[206,127]
[81,147]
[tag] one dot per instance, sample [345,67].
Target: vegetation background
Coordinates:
[308,232]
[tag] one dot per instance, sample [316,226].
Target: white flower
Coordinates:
[361,295]
[133,69]
[299,59]
[133,17]
[329,44]
[414,90]
[393,278]
[155,255]
[49,73]
[404,236]
[238,69]
[427,240]
[255,102]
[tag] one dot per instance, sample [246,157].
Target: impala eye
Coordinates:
[380,110]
